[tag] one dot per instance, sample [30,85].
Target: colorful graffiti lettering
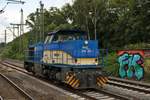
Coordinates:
[131,65]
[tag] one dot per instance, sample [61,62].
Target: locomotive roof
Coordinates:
[67,32]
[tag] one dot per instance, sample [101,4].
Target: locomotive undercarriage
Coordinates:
[75,77]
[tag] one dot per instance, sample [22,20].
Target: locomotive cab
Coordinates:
[70,47]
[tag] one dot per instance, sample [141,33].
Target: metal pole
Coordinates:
[37,28]
[22,21]
[5,37]
[13,32]
[21,31]
[42,20]
[18,30]
[95,20]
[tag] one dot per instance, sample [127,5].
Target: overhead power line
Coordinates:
[11,2]
[2,10]
[16,1]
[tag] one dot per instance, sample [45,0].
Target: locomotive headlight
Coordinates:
[86,42]
[85,45]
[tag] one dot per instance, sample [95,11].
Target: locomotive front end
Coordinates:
[86,78]
[78,58]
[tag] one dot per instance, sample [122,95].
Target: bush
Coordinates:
[111,65]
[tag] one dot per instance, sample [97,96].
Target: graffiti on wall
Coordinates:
[131,64]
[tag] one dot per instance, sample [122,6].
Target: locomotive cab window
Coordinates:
[59,38]
[49,39]
[65,36]
[71,36]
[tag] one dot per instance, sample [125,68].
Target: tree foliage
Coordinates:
[115,22]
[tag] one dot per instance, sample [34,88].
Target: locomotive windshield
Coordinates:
[49,39]
[66,36]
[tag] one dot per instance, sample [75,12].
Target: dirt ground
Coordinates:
[7,92]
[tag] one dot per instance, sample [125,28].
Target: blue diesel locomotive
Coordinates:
[67,56]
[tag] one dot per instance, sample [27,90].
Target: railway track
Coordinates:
[20,91]
[131,85]
[103,95]
[112,80]
[50,91]
[124,85]
[91,94]
[1,98]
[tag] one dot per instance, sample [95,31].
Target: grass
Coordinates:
[111,64]
[15,49]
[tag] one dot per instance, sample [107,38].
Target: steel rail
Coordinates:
[28,97]
[106,93]
[118,96]
[21,69]
[1,98]
[134,85]
[137,83]
[140,89]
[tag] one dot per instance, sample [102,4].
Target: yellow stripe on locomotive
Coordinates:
[61,57]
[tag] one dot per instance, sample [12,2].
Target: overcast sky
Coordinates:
[12,12]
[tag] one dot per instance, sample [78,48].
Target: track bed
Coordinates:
[8,90]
